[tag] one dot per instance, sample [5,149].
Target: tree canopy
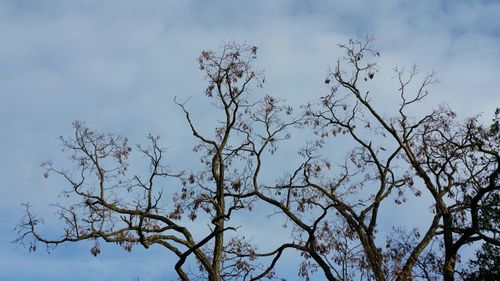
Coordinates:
[330,199]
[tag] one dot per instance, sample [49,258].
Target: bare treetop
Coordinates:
[329,205]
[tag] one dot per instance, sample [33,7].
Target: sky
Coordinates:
[118,65]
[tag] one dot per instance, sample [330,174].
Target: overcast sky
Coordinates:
[118,65]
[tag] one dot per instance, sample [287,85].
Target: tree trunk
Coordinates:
[449,269]
[376,265]
[218,173]
[316,257]
[450,251]
[217,259]
[373,255]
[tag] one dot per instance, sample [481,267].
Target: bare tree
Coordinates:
[454,163]
[330,204]
[109,205]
